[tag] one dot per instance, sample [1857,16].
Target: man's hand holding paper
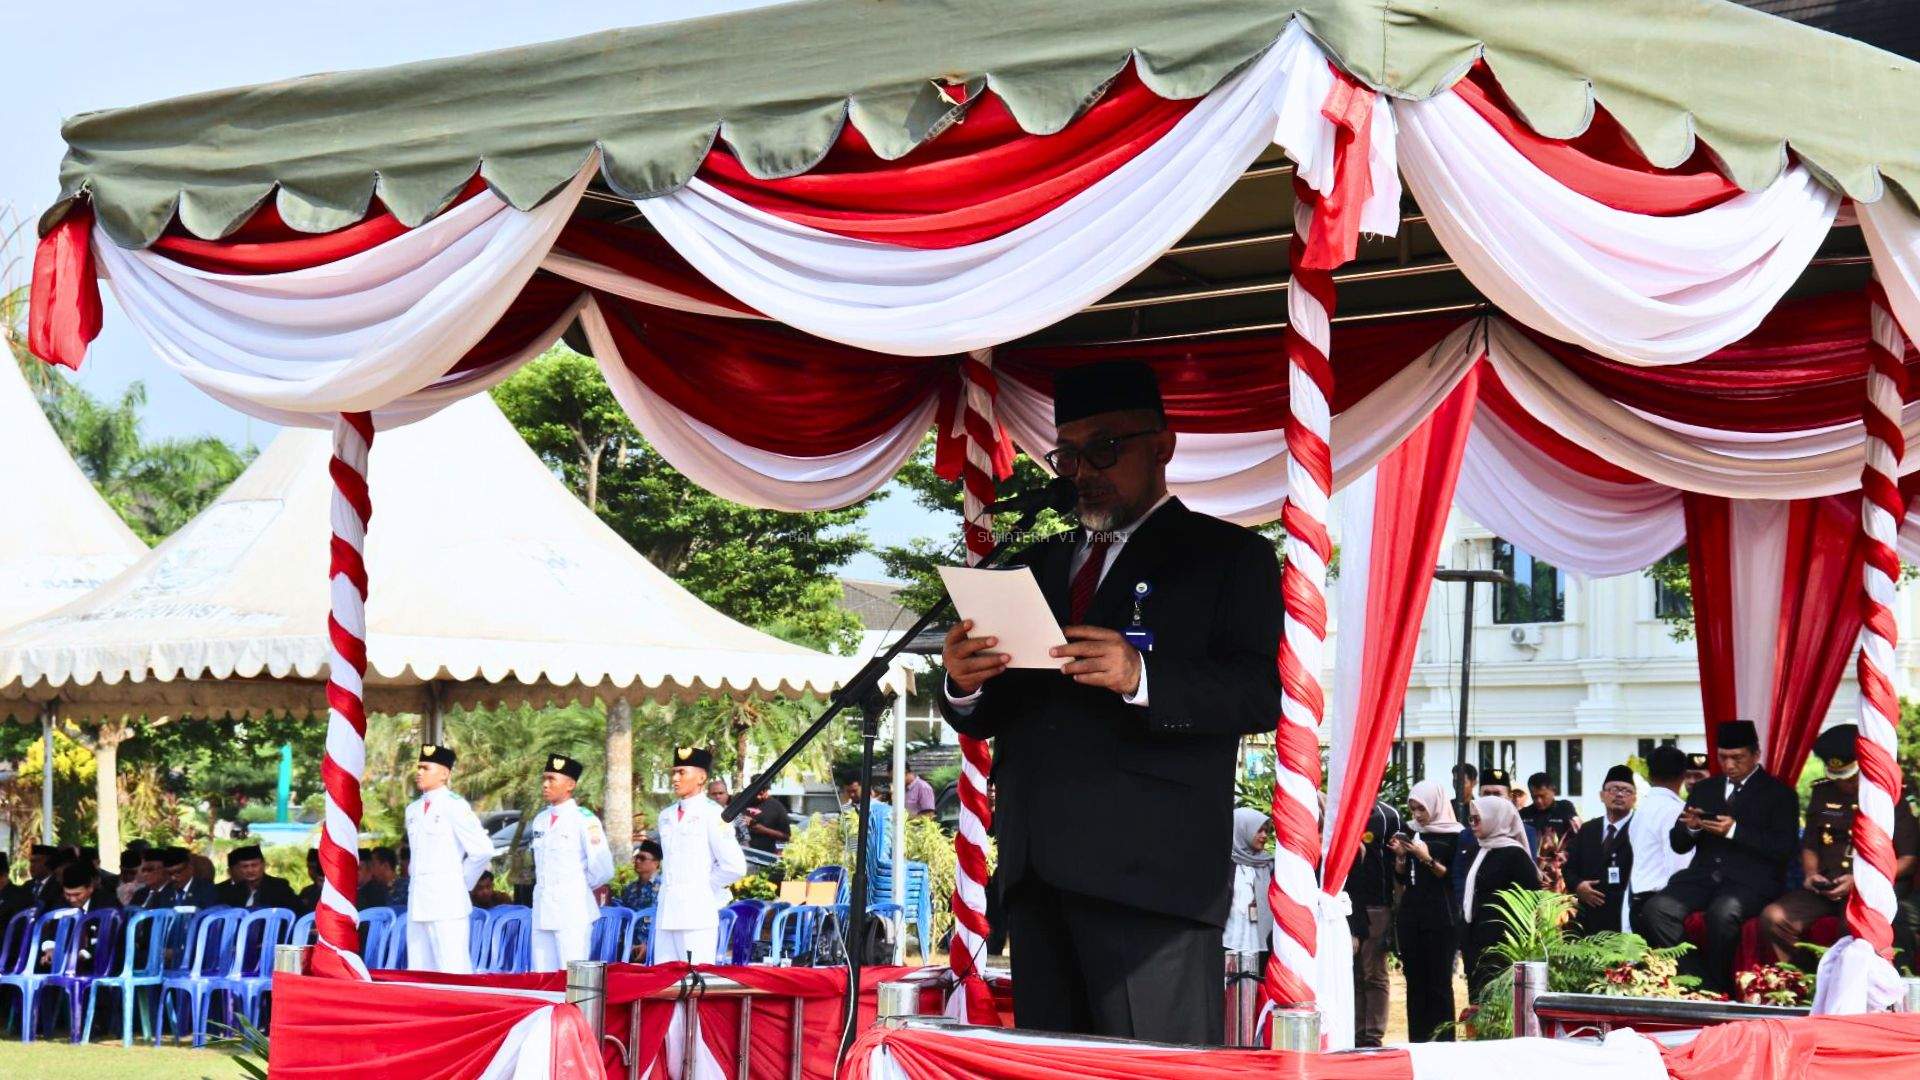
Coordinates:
[1005,623]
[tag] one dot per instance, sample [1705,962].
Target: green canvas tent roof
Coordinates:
[776,84]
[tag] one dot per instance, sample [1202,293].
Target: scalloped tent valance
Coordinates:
[777,85]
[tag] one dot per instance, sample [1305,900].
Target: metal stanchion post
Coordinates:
[1296,1028]
[897,999]
[587,988]
[291,959]
[1243,998]
[1911,1002]
[1529,982]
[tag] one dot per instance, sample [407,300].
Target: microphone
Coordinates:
[1060,494]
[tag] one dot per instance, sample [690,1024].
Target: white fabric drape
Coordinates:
[1892,232]
[358,334]
[1632,287]
[742,473]
[1624,1054]
[918,302]
[1757,557]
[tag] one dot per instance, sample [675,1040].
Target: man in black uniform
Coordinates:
[1826,848]
[182,888]
[248,884]
[1115,869]
[1742,827]
[1599,864]
[1547,815]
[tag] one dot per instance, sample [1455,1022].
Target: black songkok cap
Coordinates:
[242,854]
[1618,774]
[1737,735]
[1836,745]
[437,755]
[76,875]
[565,766]
[695,757]
[1697,761]
[651,847]
[1108,386]
[173,856]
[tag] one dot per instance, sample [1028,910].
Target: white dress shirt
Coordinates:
[1116,539]
[1654,860]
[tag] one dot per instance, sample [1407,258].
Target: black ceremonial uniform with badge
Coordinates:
[1826,847]
[1115,821]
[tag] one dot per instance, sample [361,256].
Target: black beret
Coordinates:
[651,847]
[431,754]
[1667,762]
[1108,386]
[1495,777]
[1836,745]
[45,851]
[242,854]
[1618,774]
[564,765]
[1737,735]
[695,757]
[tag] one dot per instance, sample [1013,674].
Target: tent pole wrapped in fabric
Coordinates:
[1628,282]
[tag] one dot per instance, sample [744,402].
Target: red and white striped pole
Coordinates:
[336,919]
[1294,893]
[1872,906]
[967,953]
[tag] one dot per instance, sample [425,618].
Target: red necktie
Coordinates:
[1087,581]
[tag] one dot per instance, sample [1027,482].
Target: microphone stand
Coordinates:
[863,691]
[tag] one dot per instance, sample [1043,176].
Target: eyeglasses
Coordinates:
[1098,454]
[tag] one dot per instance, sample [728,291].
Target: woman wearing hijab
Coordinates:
[1503,862]
[1425,921]
[1249,921]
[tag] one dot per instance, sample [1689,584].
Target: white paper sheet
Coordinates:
[1008,605]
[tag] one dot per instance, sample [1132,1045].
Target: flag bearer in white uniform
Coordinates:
[700,857]
[570,859]
[450,851]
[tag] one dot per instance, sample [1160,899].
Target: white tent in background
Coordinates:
[58,539]
[489,583]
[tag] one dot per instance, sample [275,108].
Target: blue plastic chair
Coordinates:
[393,956]
[510,941]
[918,908]
[796,929]
[102,929]
[610,935]
[55,930]
[13,941]
[375,925]
[250,978]
[640,924]
[142,960]
[737,940]
[479,921]
[210,953]
[303,932]
[723,942]
[825,873]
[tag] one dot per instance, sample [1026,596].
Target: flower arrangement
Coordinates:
[1774,984]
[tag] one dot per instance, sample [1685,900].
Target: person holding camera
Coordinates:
[1826,848]
[1423,854]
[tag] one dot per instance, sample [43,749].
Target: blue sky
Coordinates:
[64,60]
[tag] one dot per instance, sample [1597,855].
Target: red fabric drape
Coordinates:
[63,314]
[980,178]
[642,254]
[266,244]
[937,1055]
[1819,629]
[1874,1047]
[1498,400]
[1601,163]
[1413,491]
[1709,569]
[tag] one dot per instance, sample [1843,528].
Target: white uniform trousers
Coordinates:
[440,945]
[676,944]
[553,950]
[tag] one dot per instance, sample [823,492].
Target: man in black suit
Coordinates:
[1599,863]
[1742,827]
[182,888]
[248,884]
[1115,774]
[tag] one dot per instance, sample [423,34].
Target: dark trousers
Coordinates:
[1426,957]
[1094,967]
[1663,918]
[1370,980]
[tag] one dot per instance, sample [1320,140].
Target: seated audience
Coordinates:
[1599,862]
[248,884]
[402,880]
[153,879]
[1422,860]
[380,868]
[484,895]
[1742,827]
[310,896]
[1502,862]
[130,882]
[185,886]
[1826,849]
[643,892]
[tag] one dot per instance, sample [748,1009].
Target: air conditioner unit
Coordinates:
[1531,636]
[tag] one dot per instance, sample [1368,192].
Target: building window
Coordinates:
[1575,768]
[1671,600]
[1537,594]
[1553,763]
[1486,759]
[1508,757]
[1419,762]
[1646,746]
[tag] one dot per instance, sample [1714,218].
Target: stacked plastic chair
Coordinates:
[212,942]
[98,937]
[249,979]
[376,924]
[479,922]
[143,952]
[611,935]
[509,940]
[916,912]
[53,933]
[303,933]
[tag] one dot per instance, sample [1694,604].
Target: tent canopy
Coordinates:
[777,84]
[494,585]
[61,539]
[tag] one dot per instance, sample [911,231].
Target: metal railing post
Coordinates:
[1243,998]
[587,988]
[291,959]
[1297,1028]
[1529,982]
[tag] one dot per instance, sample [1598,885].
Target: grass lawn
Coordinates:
[111,1061]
